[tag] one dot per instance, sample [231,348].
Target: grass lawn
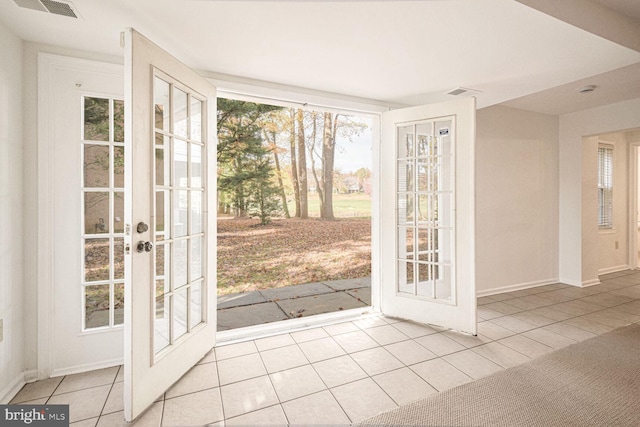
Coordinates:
[291,251]
[344,205]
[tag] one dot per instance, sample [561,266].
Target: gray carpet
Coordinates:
[592,383]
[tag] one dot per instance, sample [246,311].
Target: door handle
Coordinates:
[144,246]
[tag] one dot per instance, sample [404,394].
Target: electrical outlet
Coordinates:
[1,329]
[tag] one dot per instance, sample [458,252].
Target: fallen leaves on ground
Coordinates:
[290,252]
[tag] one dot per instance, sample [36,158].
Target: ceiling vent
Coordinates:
[462,91]
[50,6]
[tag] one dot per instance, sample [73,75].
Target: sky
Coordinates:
[355,154]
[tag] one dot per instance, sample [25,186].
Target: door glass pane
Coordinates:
[163,264]
[196,119]
[180,263]
[425,280]
[179,112]
[180,164]
[96,260]
[118,120]
[162,167]
[405,278]
[180,215]
[180,314]
[96,306]
[405,209]
[118,304]
[96,213]
[118,212]
[196,212]
[196,258]
[163,210]
[161,323]
[96,166]
[118,258]
[405,142]
[118,167]
[444,134]
[196,304]
[196,166]
[161,103]
[96,119]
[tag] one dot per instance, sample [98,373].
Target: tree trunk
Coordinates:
[279,174]
[328,157]
[312,152]
[294,165]
[302,167]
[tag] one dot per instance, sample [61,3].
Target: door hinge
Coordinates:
[127,229]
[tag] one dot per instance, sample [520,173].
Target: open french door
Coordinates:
[170,300]
[428,211]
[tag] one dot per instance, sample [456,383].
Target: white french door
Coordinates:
[427,214]
[170,305]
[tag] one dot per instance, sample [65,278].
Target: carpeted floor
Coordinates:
[592,383]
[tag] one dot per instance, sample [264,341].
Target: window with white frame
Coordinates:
[605,186]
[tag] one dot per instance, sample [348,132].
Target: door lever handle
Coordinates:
[144,247]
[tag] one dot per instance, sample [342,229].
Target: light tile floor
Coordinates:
[349,371]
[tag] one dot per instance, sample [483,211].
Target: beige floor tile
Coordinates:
[275,341]
[502,297]
[87,379]
[83,404]
[240,368]
[516,325]
[588,325]
[632,292]
[500,354]
[629,308]
[552,313]
[622,314]
[36,390]
[309,335]
[40,401]
[235,350]
[607,319]
[607,300]
[320,409]
[439,344]
[526,346]
[404,386]
[91,422]
[529,302]
[338,371]
[340,328]
[362,399]
[208,358]
[247,396]
[150,418]
[321,349]
[115,401]
[414,330]
[201,408]
[555,296]
[485,313]
[370,322]
[493,331]
[534,319]
[549,338]
[297,382]
[472,364]
[271,416]
[503,307]
[120,376]
[376,361]
[486,300]
[355,341]
[467,340]
[384,335]
[570,331]
[440,374]
[283,358]
[198,378]
[410,352]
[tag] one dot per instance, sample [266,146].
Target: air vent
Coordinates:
[463,90]
[50,6]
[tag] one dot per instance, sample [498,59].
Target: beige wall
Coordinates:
[11,214]
[516,199]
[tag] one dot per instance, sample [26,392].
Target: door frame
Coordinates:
[47,64]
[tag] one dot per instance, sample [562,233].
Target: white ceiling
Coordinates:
[402,52]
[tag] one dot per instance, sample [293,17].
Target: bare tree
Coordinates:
[302,166]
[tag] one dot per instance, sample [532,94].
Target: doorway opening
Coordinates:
[294,212]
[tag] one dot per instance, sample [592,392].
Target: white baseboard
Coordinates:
[591,282]
[516,287]
[613,269]
[9,392]
[88,367]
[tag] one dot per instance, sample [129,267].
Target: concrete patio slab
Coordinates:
[296,291]
[345,284]
[364,294]
[318,304]
[249,315]
[238,300]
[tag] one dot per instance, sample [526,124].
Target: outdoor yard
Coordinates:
[290,252]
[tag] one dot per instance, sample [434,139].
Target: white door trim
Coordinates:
[47,64]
